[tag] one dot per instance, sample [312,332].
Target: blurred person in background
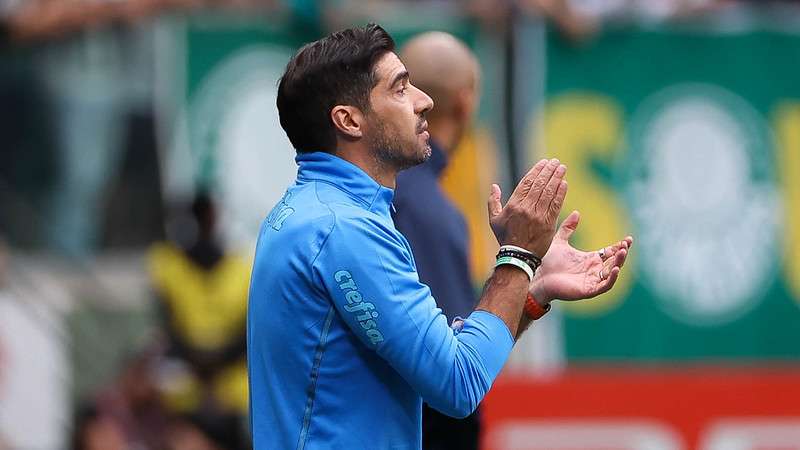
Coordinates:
[126,414]
[433,225]
[79,80]
[94,431]
[92,83]
[131,405]
[27,142]
[130,414]
[437,230]
[202,292]
[27,21]
[579,20]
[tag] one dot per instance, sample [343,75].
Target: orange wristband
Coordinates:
[533,309]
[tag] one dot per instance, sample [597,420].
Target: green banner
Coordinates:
[221,76]
[689,141]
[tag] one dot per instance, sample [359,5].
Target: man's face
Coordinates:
[397,129]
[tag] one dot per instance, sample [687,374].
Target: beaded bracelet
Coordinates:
[525,253]
[531,261]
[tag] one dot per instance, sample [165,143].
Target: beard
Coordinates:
[391,150]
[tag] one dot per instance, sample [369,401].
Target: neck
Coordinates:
[378,170]
[446,132]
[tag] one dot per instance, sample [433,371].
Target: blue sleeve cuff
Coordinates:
[490,336]
[491,321]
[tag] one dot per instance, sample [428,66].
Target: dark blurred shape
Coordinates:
[206,252]
[27,148]
[133,211]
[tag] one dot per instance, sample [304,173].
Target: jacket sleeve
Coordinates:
[369,274]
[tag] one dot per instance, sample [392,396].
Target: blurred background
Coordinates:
[140,149]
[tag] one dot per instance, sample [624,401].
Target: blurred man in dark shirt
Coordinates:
[446,69]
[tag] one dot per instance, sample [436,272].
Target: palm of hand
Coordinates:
[571,274]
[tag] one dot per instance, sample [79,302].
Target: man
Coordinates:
[432,224]
[344,342]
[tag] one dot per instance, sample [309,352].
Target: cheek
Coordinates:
[411,117]
[397,117]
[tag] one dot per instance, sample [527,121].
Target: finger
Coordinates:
[549,192]
[617,261]
[620,258]
[608,283]
[611,250]
[569,225]
[629,240]
[558,201]
[526,182]
[541,180]
[494,204]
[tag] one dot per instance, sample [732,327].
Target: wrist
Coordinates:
[539,293]
[533,309]
[520,258]
[506,274]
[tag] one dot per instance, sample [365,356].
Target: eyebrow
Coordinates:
[403,75]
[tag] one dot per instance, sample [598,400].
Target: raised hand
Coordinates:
[571,274]
[529,217]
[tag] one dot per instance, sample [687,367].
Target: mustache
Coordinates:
[422,124]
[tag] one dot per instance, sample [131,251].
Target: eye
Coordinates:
[402,90]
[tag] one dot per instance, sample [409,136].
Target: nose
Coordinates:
[424,103]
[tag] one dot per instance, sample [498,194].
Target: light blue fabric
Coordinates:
[344,341]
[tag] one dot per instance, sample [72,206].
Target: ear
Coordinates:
[348,120]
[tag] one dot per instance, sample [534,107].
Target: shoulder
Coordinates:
[413,182]
[359,236]
[419,202]
[353,222]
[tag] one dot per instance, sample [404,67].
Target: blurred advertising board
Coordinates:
[646,409]
[689,139]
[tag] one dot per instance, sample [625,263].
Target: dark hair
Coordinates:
[338,69]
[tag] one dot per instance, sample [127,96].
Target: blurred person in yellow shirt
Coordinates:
[202,293]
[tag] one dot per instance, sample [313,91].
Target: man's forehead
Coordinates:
[388,66]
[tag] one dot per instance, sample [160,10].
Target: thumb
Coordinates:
[495,207]
[569,225]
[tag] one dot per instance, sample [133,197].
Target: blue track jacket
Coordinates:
[343,340]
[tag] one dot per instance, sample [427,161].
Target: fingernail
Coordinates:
[554,161]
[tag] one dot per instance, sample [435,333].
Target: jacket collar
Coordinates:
[346,176]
